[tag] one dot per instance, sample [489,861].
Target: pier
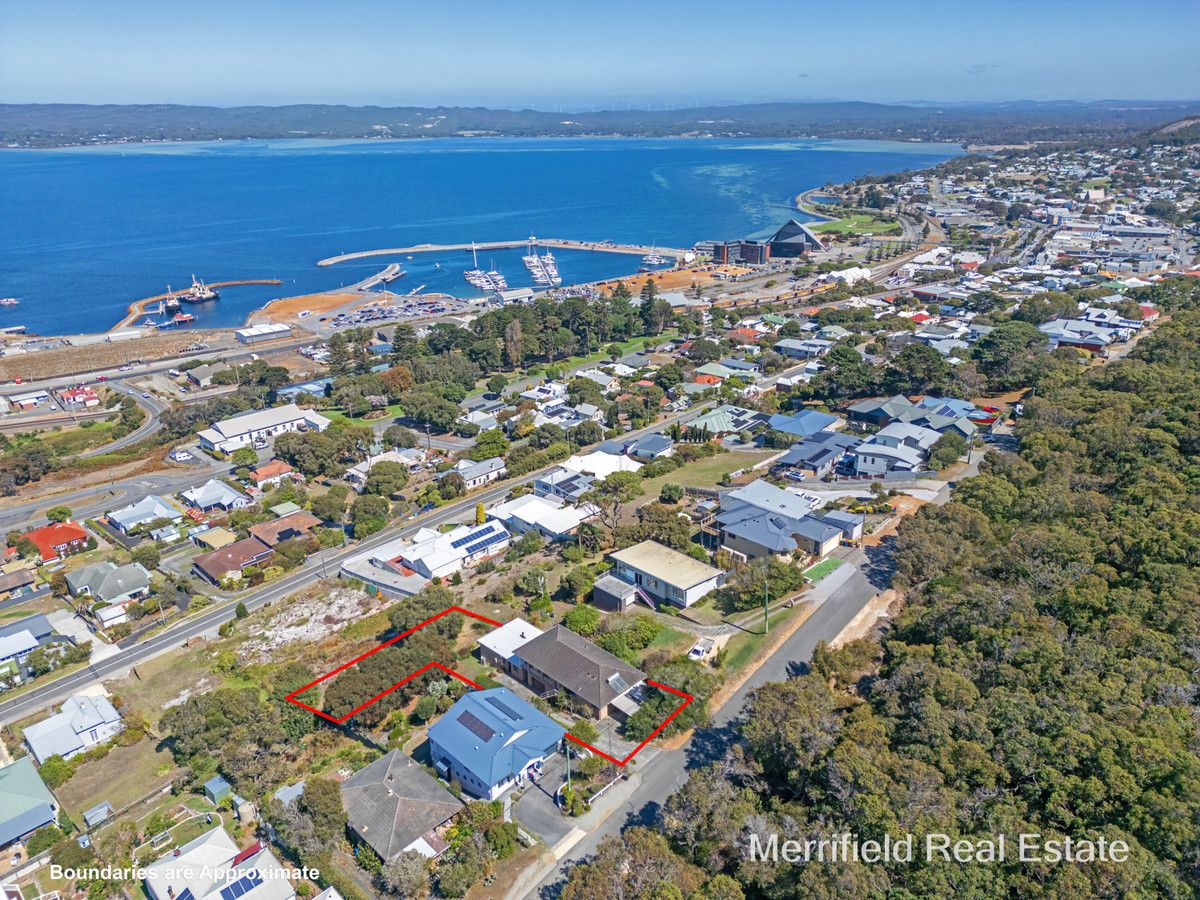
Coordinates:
[553,243]
[137,308]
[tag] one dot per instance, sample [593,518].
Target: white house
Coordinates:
[215,494]
[599,464]
[242,431]
[666,574]
[474,474]
[549,516]
[148,509]
[212,866]
[435,554]
[82,722]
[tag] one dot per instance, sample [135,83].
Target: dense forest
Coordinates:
[1042,676]
[60,124]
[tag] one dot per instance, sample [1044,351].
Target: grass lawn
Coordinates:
[743,645]
[161,680]
[70,440]
[857,223]
[820,570]
[705,472]
[123,776]
[383,415]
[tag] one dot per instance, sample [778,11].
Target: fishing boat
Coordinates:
[183,318]
[199,292]
[9,301]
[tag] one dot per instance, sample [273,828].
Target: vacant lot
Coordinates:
[857,223]
[125,775]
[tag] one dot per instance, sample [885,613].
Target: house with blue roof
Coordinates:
[803,424]
[491,741]
[26,804]
[761,519]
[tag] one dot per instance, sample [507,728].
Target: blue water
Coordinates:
[87,231]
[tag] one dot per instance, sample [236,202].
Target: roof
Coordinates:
[60,734]
[763,495]
[148,509]
[17,644]
[106,580]
[213,492]
[549,513]
[17,579]
[213,866]
[665,564]
[37,625]
[599,464]
[56,534]
[889,406]
[493,734]
[804,423]
[727,418]
[260,420]
[508,637]
[392,802]
[271,533]
[216,784]
[585,670]
[217,537]
[26,804]
[216,564]
[273,469]
[471,470]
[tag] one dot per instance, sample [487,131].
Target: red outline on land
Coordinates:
[291,698]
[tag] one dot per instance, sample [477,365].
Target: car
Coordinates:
[145,395]
[53,407]
[183,390]
[701,649]
[102,378]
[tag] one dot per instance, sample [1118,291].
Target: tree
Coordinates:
[56,771]
[634,863]
[579,581]
[670,492]
[480,513]
[947,449]
[386,479]
[704,351]
[58,513]
[339,361]
[244,456]
[585,731]
[612,495]
[240,610]
[405,875]
[496,384]
[401,437]
[583,620]
[916,369]
[146,554]
[369,514]
[489,444]
[331,506]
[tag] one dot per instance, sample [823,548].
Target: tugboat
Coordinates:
[199,292]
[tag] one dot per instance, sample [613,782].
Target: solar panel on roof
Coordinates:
[504,708]
[243,885]
[476,726]
[486,542]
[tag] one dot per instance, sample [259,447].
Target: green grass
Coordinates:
[743,645]
[705,472]
[820,570]
[857,223]
[123,776]
[68,441]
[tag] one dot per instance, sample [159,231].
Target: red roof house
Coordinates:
[58,539]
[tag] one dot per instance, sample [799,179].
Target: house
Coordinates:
[1080,334]
[82,722]
[901,446]
[713,373]
[550,516]
[149,509]
[805,423]
[434,554]
[383,570]
[651,447]
[850,524]
[395,806]
[78,398]
[214,538]
[561,660]
[244,430]
[58,539]
[879,411]
[665,574]
[20,638]
[613,594]
[728,419]
[30,400]
[295,525]
[475,474]
[563,483]
[218,566]
[412,460]
[498,648]
[217,789]
[832,333]
[271,473]
[550,390]
[202,376]
[817,456]
[608,383]
[761,519]
[17,583]
[112,587]
[215,494]
[491,741]
[811,348]
[211,867]
[599,464]
[26,804]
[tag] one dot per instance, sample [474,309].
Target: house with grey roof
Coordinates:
[810,348]
[215,494]
[148,509]
[394,806]
[26,804]
[475,474]
[82,722]
[561,660]
[110,584]
[761,519]
[817,456]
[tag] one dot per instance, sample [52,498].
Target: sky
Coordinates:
[572,55]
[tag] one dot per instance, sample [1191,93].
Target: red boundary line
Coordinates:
[291,698]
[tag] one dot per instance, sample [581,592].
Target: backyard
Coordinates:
[125,775]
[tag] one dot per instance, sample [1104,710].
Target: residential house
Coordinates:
[608,383]
[295,525]
[214,538]
[58,539]
[435,554]
[805,423]
[817,456]
[395,806]
[651,447]
[498,648]
[561,660]
[563,483]
[810,348]
[850,524]
[246,429]
[17,583]
[26,804]
[229,562]
[549,390]
[599,464]
[412,459]
[899,447]
[666,575]
[78,398]
[149,509]
[202,376]
[549,516]
[212,867]
[83,722]
[879,411]
[491,741]
[270,473]
[215,494]
[728,419]
[113,588]
[761,519]
[476,474]
[20,638]
[1080,334]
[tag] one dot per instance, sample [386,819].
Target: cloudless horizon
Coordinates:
[576,56]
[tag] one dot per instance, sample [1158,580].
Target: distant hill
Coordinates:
[51,125]
[1181,132]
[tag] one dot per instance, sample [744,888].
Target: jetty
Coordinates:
[137,308]
[554,243]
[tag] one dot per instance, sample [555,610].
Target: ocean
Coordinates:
[87,231]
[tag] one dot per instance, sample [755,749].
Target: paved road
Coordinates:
[153,409]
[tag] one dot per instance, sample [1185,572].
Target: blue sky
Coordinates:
[573,55]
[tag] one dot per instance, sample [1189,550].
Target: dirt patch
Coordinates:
[203,686]
[102,355]
[861,626]
[307,620]
[904,505]
[316,304]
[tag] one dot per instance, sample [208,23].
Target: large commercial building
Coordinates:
[242,431]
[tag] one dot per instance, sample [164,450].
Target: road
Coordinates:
[153,409]
[322,564]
